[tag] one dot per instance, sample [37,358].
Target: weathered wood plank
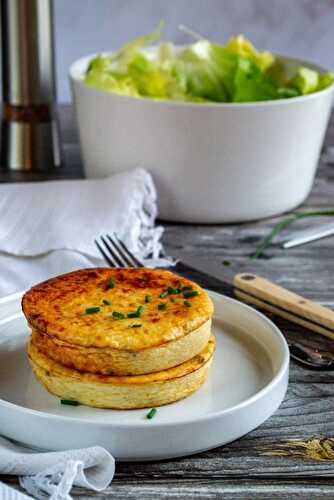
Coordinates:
[231,490]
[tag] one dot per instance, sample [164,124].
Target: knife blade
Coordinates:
[273,298]
[311,234]
[296,316]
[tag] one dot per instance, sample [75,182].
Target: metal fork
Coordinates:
[116,253]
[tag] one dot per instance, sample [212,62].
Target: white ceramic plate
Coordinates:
[247,383]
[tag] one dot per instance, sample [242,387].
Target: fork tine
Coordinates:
[126,252]
[120,251]
[104,255]
[114,255]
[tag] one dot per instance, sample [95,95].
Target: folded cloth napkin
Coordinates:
[51,475]
[47,228]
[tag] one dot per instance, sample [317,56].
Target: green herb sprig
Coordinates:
[151,414]
[190,293]
[118,315]
[69,402]
[111,283]
[137,313]
[92,310]
[267,241]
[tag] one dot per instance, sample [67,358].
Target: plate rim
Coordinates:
[275,380]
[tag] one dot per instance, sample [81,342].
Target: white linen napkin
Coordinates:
[51,475]
[47,228]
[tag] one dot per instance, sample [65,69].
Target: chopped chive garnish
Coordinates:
[162,307]
[69,402]
[147,299]
[137,325]
[111,283]
[137,313]
[187,303]
[106,302]
[172,291]
[140,310]
[163,294]
[171,299]
[92,310]
[151,413]
[118,315]
[191,293]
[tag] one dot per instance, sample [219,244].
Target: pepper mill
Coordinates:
[29,132]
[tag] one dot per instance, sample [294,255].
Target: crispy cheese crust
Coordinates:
[128,392]
[58,307]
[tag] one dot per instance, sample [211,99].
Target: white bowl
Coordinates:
[210,162]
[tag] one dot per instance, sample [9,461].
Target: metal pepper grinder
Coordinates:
[29,132]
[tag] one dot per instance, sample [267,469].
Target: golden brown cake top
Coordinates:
[128,308]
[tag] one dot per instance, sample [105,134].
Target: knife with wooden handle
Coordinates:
[270,297]
[284,303]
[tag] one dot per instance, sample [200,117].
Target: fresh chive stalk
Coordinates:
[106,302]
[118,315]
[163,294]
[187,303]
[111,283]
[136,325]
[162,306]
[267,241]
[190,293]
[69,402]
[151,414]
[140,310]
[137,313]
[147,299]
[92,310]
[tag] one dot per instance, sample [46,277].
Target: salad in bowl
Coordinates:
[201,72]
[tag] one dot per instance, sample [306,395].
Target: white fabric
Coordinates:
[51,475]
[46,229]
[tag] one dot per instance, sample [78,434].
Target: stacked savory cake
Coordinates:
[120,338]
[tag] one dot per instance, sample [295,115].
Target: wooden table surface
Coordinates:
[241,470]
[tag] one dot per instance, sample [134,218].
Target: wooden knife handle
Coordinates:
[280,301]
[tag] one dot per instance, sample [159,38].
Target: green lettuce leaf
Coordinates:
[201,72]
[196,68]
